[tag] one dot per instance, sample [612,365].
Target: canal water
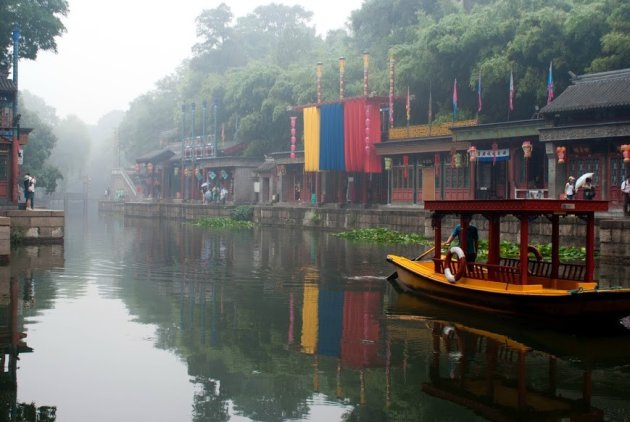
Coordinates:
[140,320]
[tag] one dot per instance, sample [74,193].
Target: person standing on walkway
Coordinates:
[569,188]
[625,189]
[29,191]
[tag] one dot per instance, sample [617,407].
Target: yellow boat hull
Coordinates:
[575,300]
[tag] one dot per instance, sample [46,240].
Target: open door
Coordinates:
[428,184]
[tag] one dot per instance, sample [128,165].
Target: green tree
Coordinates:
[41,142]
[40,23]
[148,117]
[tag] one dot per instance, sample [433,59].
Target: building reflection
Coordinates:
[17,292]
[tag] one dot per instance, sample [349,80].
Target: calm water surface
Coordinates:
[138,320]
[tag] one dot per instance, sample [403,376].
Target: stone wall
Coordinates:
[614,245]
[614,238]
[5,240]
[38,226]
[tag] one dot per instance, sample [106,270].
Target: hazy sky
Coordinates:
[115,50]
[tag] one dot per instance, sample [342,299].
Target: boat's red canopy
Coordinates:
[522,209]
[517,206]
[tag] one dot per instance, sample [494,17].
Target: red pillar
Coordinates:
[555,245]
[523,266]
[437,253]
[494,239]
[590,247]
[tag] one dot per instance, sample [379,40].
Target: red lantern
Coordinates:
[625,151]
[293,120]
[472,153]
[561,154]
[527,148]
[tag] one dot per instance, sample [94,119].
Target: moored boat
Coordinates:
[524,287]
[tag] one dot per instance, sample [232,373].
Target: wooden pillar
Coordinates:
[555,245]
[494,238]
[522,380]
[590,247]
[524,238]
[436,222]
[587,387]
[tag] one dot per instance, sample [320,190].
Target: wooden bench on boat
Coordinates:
[507,271]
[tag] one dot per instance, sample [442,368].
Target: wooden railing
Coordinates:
[423,131]
[575,272]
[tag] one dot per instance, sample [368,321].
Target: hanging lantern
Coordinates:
[150,167]
[293,120]
[367,128]
[472,154]
[625,151]
[561,154]
[527,148]
[405,166]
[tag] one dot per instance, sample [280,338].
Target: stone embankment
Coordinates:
[611,242]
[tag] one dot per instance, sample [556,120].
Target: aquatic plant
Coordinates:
[223,223]
[383,236]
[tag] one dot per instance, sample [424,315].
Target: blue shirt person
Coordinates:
[472,239]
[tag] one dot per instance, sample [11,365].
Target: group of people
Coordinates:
[571,190]
[214,194]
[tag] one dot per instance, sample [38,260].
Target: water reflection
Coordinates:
[17,293]
[274,324]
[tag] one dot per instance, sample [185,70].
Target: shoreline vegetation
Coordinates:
[508,249]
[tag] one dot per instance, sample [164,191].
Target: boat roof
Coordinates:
[516,206]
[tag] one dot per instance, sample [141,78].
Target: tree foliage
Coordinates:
[256,67]
[41,142]
[40,23]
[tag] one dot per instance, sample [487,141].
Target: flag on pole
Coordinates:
[511,100]
[550,84]
[455,99]
[479,93]
[430,106]
[408,106]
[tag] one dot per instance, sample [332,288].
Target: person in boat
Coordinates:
[472,239]
[569,188]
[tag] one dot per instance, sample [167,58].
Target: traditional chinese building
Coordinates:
[588,130]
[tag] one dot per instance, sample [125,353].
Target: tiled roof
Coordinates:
[593,91]
[6,84]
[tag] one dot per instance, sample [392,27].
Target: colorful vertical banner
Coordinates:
[550,83]
[391,92]
[511,94]
[311,139]
[455,100]
[430,115]
[408,107]
[479,103]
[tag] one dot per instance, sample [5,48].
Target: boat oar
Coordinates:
[394,275]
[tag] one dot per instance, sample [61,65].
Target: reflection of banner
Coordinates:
[487,155]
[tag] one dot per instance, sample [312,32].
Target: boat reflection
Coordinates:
[504,371]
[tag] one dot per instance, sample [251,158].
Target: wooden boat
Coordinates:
[523,287]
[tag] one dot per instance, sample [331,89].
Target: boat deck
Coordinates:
[498,278]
